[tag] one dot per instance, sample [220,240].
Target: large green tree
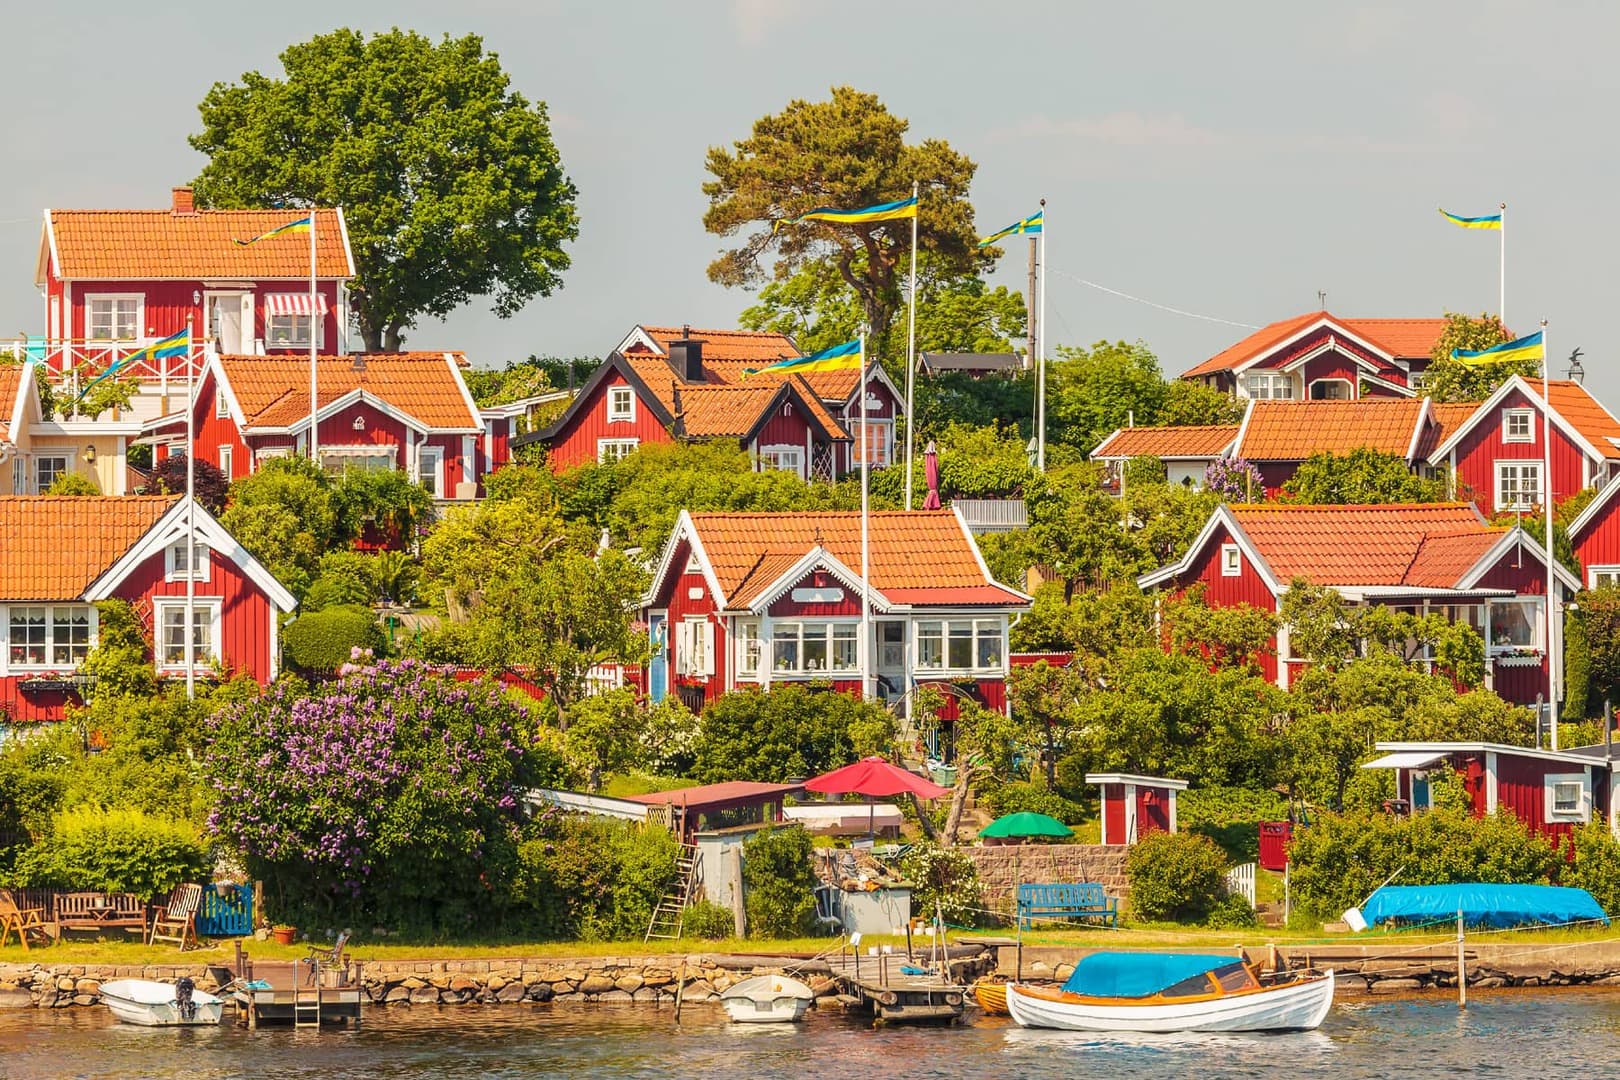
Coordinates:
[848,152]
[449,180]
[1362,476]
[1448,380]
[1090,392]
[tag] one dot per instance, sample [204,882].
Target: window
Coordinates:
[176,563]
[225,462]
[1266,385]
[1519,425]
[695,647]
[750,649]
[1330,390]
[891,645]
[47,467]
[1568,796]
[58,636]
[621,403]
[1600,577]
[113,318]
[285,330]
[432,468]
[222,405]
[610,450]
[1231,560]
[1418,380]
[339,460]
[814,648]
[786,458]
[1513,625]
[1518,485]
[879,440]
[959,645]
[171,644]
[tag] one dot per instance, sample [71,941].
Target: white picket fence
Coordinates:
[1240,882]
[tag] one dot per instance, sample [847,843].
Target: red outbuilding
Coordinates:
[1136,806]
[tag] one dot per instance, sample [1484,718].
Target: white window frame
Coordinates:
[296,341]
[207,607]
[226,462]
[1523,465]
[50,643]
[1231,561]
[773,458]
[750,649]
[222,405]
[621,405]
[982,630]
[882,434]
[849,630]
[173,561]
[1551,785]
[1350,389]
[341,456]
[1599,576]
[609,451]
[40,459]
[1511,415]
[436,470]
[90,301]
[694,647]
[1263,386]
[1536,618]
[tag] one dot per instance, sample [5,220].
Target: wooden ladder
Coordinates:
[307,1009]
[670,912]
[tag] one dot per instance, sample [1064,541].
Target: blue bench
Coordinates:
[1066,901]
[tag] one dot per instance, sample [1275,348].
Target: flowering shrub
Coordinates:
[944,881]
[1235,481]
[390,794]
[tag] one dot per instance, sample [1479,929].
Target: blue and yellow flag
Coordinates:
[1032,224]
[173,345]
[303,224]
[889,211]
[1489,221]
[1529,347]
[845,357]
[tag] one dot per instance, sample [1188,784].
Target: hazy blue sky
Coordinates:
[1226,159]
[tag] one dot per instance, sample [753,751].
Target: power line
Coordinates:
[1154,304]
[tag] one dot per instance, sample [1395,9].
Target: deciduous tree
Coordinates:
[1448,380]
[1363,475]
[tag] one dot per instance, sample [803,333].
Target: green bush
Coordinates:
[790,731]
[121,851]
[325,640]
[72,483]
[1020,796]
[1338,862]
[708,920]
[1231,912]
[1596,866]
[1177,877]
[779,883]
[943,880]
[1230,816]
[121,662]
[344,578]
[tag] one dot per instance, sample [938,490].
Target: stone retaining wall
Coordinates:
[1003,868]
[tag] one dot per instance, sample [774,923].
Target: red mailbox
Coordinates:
[1274,838]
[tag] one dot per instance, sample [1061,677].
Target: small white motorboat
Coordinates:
[1163,992]
[767,999]
[157,1004]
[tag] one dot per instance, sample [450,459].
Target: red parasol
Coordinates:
[874,776]
[931,472]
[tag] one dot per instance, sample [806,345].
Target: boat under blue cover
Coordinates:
[1483,905]
[1138,974]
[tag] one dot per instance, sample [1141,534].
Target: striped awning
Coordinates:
[292,303]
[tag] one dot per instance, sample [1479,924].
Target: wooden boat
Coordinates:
[767,999]
[1159,992]
[156,1004]
[991,994]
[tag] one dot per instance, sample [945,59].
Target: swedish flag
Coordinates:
[889,211]
[303,224]
[1529,347]
[1489,221]
[1035,223]
[173,345]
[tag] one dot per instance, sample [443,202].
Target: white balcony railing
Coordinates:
[70,362]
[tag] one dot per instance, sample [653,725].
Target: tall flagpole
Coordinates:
[911,348]
[1040,374]
[1501,272]
[1553,623]
[190,632]
[314,314]
[866,545]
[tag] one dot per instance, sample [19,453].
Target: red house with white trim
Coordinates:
[742,600]
[1420,557]
[1319,356]
[59,555]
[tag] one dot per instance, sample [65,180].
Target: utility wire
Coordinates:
[1154,304]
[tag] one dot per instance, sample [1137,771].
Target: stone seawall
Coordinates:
[1001,869]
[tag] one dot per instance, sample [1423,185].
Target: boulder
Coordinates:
[91,986]
[1395,986]
[655,977]
[424,995]
[413,983]
[1062,971]
[395,994]
[540,992]
[645,994]
[84,999]
[65,982]
[564,987]
[629,983]
[616,997]
[512,991]
[595,984]
[463,985]
[15,997]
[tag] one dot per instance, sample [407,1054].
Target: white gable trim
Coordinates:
[1594,508]
[1404,391]
[816,557]
[1222,516]
[47,244]
[639,336]
[19,408]
[685,529]
[1418,429]
[1330,344]
[1327,321]
[1492,403]
[343,231]
[222,385]
[1236,447]
[171,528]
[874,373]
[978,557]
[461,384]
[353,397]
[1516,536]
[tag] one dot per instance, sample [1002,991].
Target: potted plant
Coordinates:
[283,934]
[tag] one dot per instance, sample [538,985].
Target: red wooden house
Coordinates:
[743,600]
[1136,806]
[1276,437]
[1595,537]
[1322,357]
[61,554]
[1418,557]
[409,411]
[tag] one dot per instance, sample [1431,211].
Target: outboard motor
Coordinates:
[183,1004]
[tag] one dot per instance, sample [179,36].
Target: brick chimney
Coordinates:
[183,202]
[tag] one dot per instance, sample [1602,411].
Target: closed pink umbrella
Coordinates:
[931,473]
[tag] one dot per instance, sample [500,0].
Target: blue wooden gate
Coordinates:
[230,915]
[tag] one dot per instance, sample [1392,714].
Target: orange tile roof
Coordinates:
[1426,544]
[1444,418]
[1408,339]
[1405,338]
[714,411]
[1584,413]
[53,547]
[273,391]
[1267,337]
[1168,442]
[921,550]
[10,382]
[1294,430]
[143,245]
[755,347]
[659,377]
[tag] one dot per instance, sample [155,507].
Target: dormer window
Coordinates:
[621,404]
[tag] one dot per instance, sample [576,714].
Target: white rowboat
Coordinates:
[154,1004]
[767,999]
[1295,1006]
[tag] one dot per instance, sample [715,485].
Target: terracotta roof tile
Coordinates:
[659,377]
[1205,441]
[1444,418]
[155,244]
[1267,337]
[754,347]
[53,547]
[1405,338]
[927,551]
[1368,545]
[1409,339]
[10,381]
[1294,430]
[273,391]
[1584,413]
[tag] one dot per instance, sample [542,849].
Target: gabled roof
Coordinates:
[272,392]
[1444,418]
[1294,430]
[1406,339]
[54,547]
[147,245]
[928,556]
[1579,415]
[1594,510]
[753,347]
[11,400]
[705,411]
[1170,443]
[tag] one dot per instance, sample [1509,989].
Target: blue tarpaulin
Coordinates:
[1131,974]
[1482,905]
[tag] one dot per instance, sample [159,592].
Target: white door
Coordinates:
[225,321]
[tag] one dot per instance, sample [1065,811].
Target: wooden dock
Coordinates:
[292,997]
[878,983]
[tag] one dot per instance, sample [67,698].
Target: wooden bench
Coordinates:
[1066,901]
[19,920]
[99,911]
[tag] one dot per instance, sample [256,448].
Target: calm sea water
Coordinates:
[1568,1034]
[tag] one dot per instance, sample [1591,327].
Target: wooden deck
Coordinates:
[876,982]
[293,999]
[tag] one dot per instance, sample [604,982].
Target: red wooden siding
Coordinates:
[1599,543]
[1521,789]
[1331,365]
[787,426]
[1476,456]
[1222,591]
[1152,811]
[1526,577]
[788,608]
[214,432]
[169,306]
[1113,800]
[576,443]
[244,610]
[850,417]
[682,604]
[19,706]
[1274,474]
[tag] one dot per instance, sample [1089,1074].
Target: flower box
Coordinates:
[53,683]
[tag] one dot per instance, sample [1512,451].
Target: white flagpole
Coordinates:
[189,633]
[866,546]
[1501,271]
[314,314]
[1554,626]
[911,349]
[1040,373]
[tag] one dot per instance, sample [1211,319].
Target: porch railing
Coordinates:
[66,360]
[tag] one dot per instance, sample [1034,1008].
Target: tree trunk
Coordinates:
[958,803]
[391,339]
[922,817]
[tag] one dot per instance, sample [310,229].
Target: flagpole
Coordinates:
[314,409]
[1040,374]
[1501,272]
[911,351]
[866,545]
[1553,624]
[189,634]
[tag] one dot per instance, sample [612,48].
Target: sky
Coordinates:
[1226,161]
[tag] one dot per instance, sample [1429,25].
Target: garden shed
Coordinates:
[1134,806]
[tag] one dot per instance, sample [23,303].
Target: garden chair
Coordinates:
[19,920]
[327,957]
[176,918]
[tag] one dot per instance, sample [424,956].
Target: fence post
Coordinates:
[1462,967]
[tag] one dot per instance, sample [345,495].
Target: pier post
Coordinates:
[1462,970]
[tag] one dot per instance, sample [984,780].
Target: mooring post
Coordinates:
[680,989]
[1462,971]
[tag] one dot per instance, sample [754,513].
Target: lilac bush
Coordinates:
[391,794]
[1235,481]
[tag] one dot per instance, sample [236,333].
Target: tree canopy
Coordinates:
[1447,380]
[449,180]
[1362,476]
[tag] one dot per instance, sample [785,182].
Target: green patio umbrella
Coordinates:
[1026,823]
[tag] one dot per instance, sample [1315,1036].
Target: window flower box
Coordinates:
[1518,658]
[54,682]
